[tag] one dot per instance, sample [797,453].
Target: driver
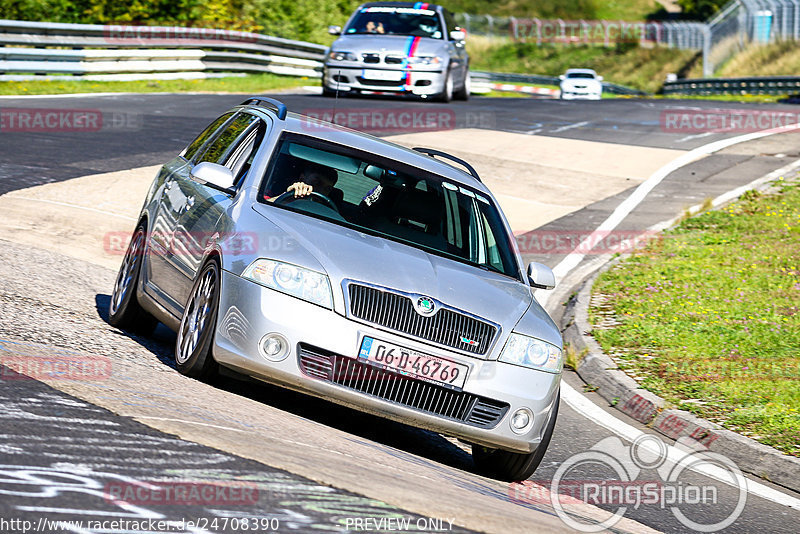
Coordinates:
[314,178]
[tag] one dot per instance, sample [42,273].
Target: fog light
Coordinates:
[274,347]
[521,421]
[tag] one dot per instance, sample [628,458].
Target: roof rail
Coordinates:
[280,107]
[433,152]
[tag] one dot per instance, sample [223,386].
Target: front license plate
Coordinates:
[383,75]
[412,363]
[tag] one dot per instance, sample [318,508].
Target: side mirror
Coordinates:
[335,30]
[599,78]
[541,276]
[458,35]
[562,77]
[213,175]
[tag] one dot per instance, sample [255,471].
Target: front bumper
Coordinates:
[412,81]
[580,94]
[249,311]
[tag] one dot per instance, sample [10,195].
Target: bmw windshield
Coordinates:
[389,199]
[396,21]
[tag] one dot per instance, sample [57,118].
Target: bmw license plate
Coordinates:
[412,363]
[382,75]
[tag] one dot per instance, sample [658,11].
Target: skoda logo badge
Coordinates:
[425,306]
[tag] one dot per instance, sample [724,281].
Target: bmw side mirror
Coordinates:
[562,77]
[335,30]
[458,35]
[213,175]
[541,276]
[599,78]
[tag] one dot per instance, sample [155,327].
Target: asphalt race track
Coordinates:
[306,465]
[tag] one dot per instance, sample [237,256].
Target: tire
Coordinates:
[513,466]
[124,310]
[196,331]
[329,93]
[446,95]
[464,92]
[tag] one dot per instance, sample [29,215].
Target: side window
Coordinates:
[450,22]
[223,145]
[195,145]
[241,158]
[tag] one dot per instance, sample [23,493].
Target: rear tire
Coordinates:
[464,92]
[196,331]
[124,310]
[514,466]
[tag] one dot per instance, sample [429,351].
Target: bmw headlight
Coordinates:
[342,56]
[296,281]
[424,60]
[534,353]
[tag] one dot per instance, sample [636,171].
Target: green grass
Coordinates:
[566,9]
[640,68]
[709,316]
[252,83]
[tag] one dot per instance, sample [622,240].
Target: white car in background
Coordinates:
[581,83]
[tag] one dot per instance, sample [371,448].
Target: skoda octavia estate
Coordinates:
[343,266]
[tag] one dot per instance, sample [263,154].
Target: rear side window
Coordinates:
[220,148]
[195,145]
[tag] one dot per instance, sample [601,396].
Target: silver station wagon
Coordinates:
[412,48]
[344,266]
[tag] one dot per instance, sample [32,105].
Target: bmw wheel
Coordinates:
[124,311]
[196,332]
[514,466]
[447,93]
[466,88]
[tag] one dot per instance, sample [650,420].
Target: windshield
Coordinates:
[396,21]
[388,199]
[580,75]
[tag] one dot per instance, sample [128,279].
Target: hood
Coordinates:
[345,253]
[390,45]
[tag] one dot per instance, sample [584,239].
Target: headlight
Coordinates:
[342,56]
[297,281]
[424,60]
[531,352]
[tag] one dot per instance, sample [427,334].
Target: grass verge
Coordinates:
[641,68]
[252,83]
[709,316]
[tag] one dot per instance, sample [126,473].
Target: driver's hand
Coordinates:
[301,189]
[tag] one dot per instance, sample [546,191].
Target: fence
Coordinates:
[737,24]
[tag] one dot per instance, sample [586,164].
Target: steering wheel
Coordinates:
[288,196]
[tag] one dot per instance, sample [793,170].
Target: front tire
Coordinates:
[447,93]
[124,310]
[514,466]
[196,332]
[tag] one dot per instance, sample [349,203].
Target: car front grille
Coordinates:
[371,58]
[396,312]
[399,389]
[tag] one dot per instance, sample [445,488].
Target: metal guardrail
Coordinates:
[608,87]
[118,52]
[43,49]
[771,85]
